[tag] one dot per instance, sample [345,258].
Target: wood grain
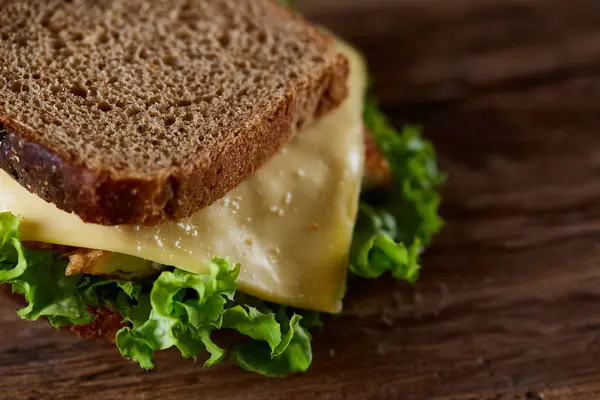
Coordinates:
[508,306]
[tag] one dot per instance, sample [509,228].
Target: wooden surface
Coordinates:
[509,303]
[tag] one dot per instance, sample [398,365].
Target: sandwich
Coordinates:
[175,170]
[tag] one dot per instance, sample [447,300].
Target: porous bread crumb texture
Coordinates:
[130,111]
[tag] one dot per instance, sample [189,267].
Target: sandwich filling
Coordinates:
[254,262]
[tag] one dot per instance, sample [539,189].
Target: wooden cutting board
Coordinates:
[508,306]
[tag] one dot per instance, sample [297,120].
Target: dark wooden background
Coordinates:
[509,303]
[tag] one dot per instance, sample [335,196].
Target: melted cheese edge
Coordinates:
[289,225]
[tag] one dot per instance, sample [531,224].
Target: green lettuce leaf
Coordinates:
[175,309]
[395,224]
[292,354]
[40,278]
[374,251]
[184,309]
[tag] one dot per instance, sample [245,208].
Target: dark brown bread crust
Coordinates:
[99,196]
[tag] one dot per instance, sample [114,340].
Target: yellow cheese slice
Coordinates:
[289,225]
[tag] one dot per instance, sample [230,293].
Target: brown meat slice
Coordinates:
[377,169]
[106,324]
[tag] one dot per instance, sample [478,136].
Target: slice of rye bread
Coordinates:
[138,112]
